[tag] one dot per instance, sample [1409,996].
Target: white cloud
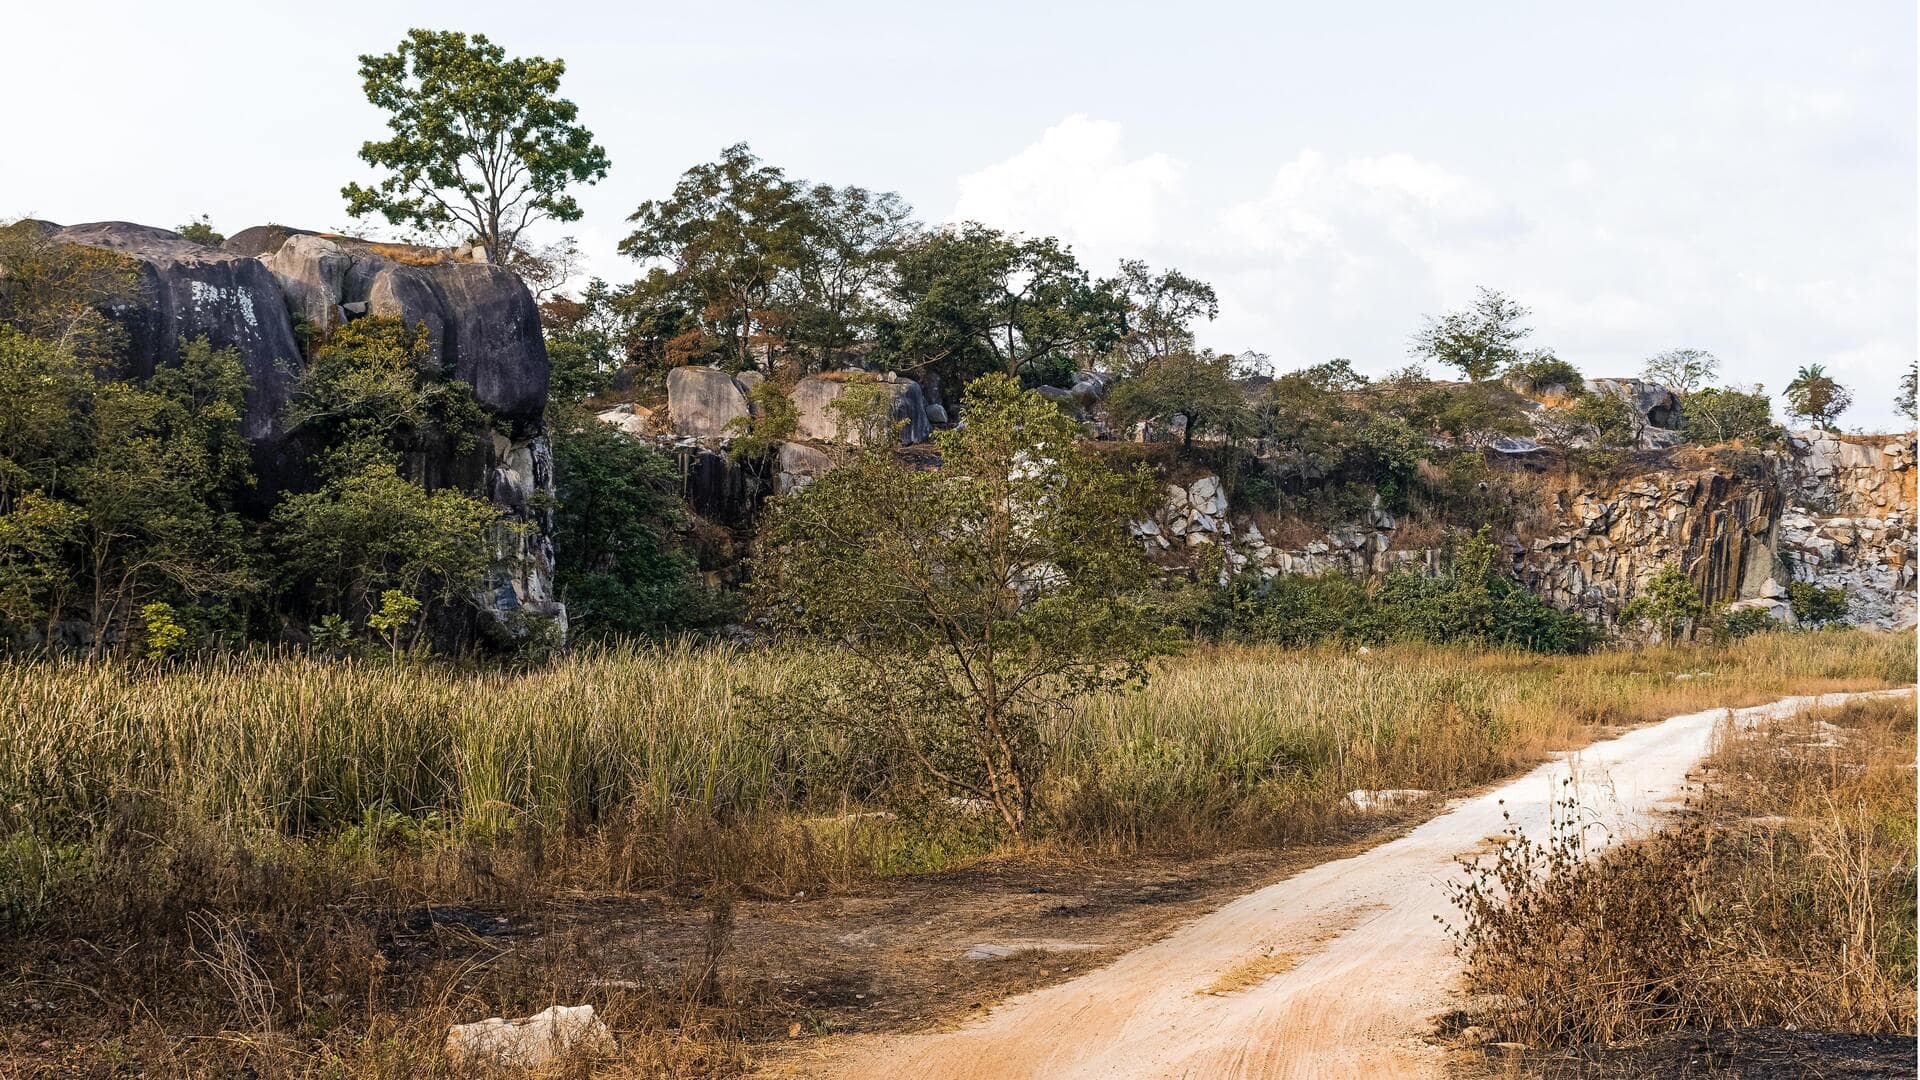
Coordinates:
[1075,184]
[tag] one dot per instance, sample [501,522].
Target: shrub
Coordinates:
[1538,371]
[1734,625]
[1666,607]
[1817,605]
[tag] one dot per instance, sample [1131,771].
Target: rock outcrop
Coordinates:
[266,285]
[191,291]
[814,398]
[1832,510]
[705,402]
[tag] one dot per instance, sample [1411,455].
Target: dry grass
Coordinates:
[1788,901]
[1253,971]
[232,862]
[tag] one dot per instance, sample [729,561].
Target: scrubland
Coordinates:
[255,859]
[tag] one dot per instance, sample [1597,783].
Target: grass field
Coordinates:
[279,816]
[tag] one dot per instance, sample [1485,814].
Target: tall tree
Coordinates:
[728,233]
[1480,339]
[1817,397]
[970,299]
[1161,311]
[829,297]
[480,142]
[1682,370]
[968,604]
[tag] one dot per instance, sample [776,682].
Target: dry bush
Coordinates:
[1789,900]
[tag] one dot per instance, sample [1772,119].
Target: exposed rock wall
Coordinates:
[1851,522]
[1830,510]
[255,291]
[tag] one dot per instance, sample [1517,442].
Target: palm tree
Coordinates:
[1817,396]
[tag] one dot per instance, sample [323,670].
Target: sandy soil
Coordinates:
[1337,971]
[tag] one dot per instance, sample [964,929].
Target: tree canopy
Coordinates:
[479,141]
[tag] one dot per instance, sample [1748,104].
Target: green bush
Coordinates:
[1817,605]
[1470,601]
[1746,622]
[1540,370]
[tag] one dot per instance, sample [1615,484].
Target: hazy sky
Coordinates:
[1734,176]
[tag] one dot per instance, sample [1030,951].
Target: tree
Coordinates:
[829,298]
[1682,370]
[1904,400]
[61,293]
[1160,312]
[616,565]
[970,299]
[1666,606]
[1816,397]
[374,378]
[1723,414]
[368,530]
[1198,386]
[480,142]
[1479,340]
[728,233]
[972,603]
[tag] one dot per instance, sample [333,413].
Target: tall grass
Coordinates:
[657,752]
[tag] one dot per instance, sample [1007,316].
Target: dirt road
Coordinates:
[1335,972]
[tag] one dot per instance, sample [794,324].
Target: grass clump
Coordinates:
[1788,901]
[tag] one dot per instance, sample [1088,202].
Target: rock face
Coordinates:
[1658,412]
[813,399]
[252,293]
[704,402]
[796,465]
[1835,511]
[1851,521]
[190,291]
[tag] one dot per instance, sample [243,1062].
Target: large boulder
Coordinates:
[817,419]
[188,290]
[704,402]
[796,465]
[1657,408]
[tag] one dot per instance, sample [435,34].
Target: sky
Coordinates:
[1734,176]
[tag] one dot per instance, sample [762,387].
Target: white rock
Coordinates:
[530,1042]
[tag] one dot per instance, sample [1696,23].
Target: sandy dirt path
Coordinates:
[1340,969]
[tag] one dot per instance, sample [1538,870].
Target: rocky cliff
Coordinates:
[1831,510]
[268,286]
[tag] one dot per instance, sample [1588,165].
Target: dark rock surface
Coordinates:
[265,285]
[190,291]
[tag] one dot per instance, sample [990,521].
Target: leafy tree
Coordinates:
[368,530]
[1198,386]
[479,142]
[1603,422]
[1816,397]
[728,233]
[1722,414]
[200,230]
[1682,370]
[1541,370]
[1666,607]
[829,299]
[376,378]
[972,603]
[1161,309]
[397,613]
[1817,605]
[589,339]
[1904,400]
[1479,340]
[616,565]
[164,634]
[772,421]
[971,299]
